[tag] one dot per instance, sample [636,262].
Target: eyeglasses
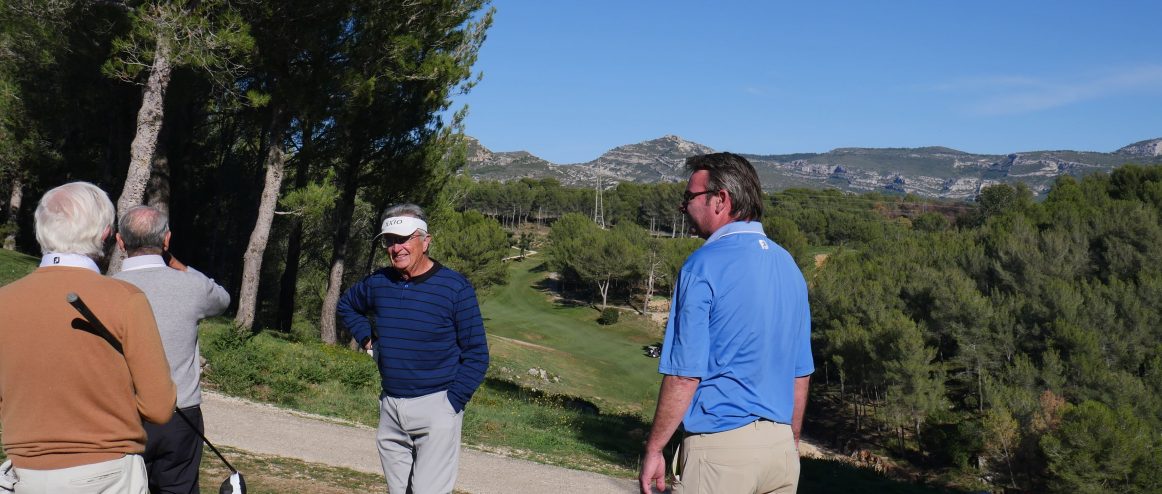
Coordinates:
[390,240]
[689,196]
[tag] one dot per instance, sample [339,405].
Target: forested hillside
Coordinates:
[1011,342]
[1024,344]
[1006,343]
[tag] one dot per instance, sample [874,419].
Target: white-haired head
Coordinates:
[74,218]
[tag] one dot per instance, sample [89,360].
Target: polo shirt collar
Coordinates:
[68,260]
[394,274]
[737,227]
[143,262]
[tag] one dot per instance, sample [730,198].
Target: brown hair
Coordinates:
[735,175]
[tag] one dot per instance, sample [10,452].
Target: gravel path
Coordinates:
[266,429]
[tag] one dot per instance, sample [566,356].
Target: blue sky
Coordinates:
[568,80]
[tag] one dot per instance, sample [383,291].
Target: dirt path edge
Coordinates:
[267,429]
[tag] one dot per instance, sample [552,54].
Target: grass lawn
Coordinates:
[589,411]
[273,474]
[602,364]
[14,265]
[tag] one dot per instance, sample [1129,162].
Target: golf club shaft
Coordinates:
[77,303]
[203,436]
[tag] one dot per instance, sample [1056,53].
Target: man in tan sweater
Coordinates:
[71,406]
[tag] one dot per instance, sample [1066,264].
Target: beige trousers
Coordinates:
[757,457]
[125,475]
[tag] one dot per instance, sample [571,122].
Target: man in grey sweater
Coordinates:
[180,296]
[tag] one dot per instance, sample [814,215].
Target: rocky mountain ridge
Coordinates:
[928,171]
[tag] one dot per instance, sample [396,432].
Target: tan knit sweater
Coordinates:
[67,398]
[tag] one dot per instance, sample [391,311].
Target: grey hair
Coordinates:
[406,209]
[143,230]
[735,175]
[73,219]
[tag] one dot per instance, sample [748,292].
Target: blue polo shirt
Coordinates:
[740,322]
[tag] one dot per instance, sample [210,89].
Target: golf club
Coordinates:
[235,484]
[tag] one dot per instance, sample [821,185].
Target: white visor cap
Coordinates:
[402,226]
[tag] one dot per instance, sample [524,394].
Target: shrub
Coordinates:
[609,316]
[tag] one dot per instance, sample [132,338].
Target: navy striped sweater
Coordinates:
[430,336]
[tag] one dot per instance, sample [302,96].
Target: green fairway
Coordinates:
[14,265]
[602,364]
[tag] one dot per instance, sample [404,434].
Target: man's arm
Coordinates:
[800,407]
[352,311]
[214,298]
[173,262]
[673,400]
[473,349]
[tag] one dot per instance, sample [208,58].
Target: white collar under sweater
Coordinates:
[143,262]
[69,260]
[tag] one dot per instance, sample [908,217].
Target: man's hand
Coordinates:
[673,399]
[653,472]
[173,262]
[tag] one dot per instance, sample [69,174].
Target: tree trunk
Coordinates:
[149,120]
[328,330]
[158,193]
[290,273]
[650,284]
[919,444]
[979,389]
[14,202]
[344,210]
[252,259]
[604,287]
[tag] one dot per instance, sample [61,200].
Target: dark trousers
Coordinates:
[173,453]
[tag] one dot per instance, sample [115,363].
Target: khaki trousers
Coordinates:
[125,475]
[757,457]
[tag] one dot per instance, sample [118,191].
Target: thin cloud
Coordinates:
[756,91]
[986,84]
[1019,95]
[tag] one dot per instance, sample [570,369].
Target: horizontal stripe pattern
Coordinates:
[430,332]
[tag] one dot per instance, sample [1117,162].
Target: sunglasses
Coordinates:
[390,240]
[689,196]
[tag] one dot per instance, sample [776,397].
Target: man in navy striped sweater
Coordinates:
[423,322]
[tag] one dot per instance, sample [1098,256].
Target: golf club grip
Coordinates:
[98,327]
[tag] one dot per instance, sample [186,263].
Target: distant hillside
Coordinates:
[928,171]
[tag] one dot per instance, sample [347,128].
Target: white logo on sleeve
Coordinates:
[763,244]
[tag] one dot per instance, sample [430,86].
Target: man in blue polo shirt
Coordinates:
[737,353]
[423,321]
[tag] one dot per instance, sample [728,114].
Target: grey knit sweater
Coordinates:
[179,300]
